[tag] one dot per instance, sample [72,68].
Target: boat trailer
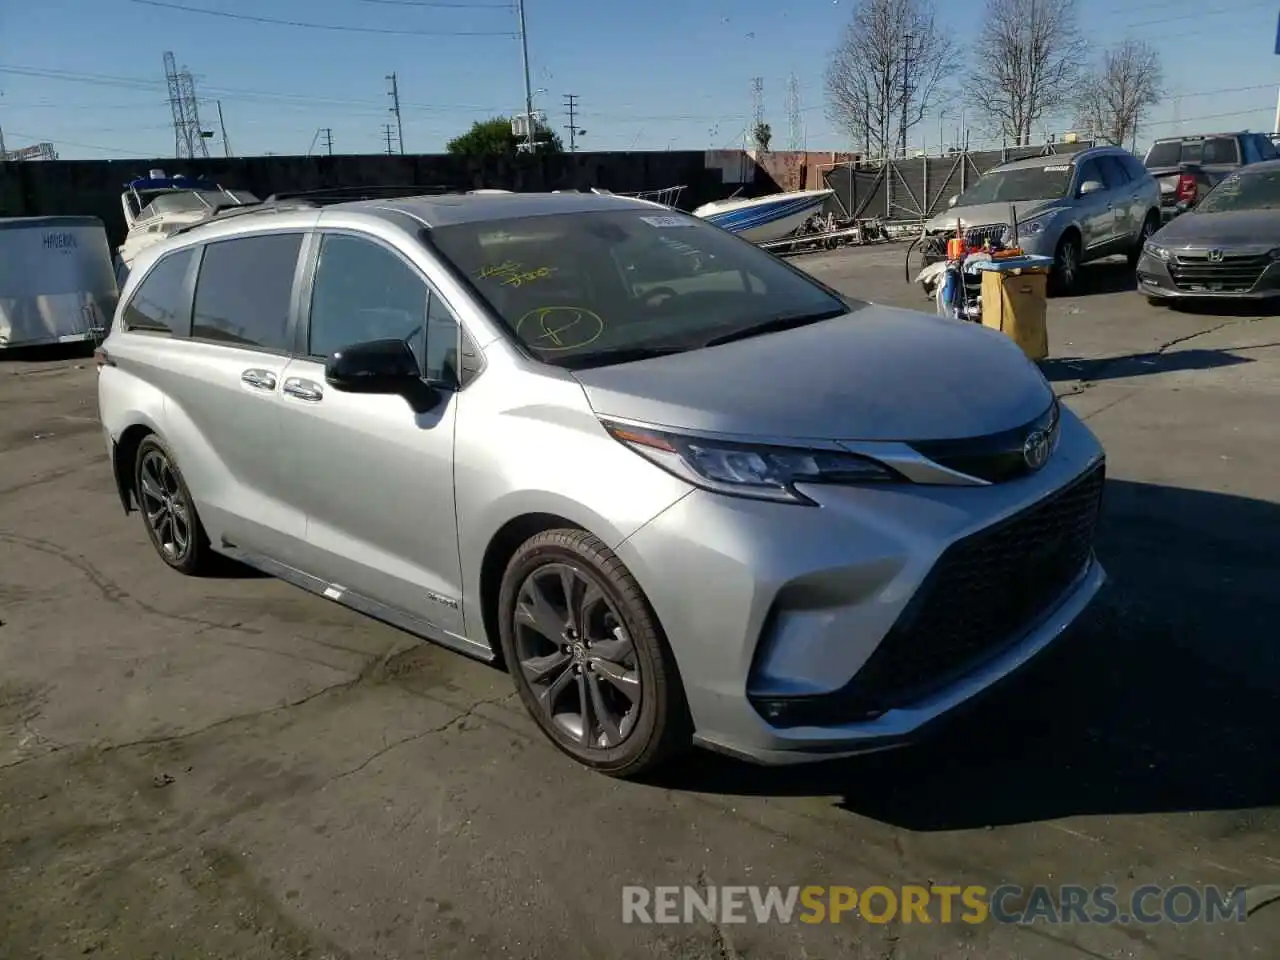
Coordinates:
[826,231]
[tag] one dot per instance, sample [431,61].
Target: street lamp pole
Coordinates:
[528,87]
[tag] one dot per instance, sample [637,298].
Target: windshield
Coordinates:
[1171,153]
[1020,183]
[577,289]
[1243,191]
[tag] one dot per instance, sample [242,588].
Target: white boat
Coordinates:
[764,219]
[156,205]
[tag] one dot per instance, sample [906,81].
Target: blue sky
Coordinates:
[652,75]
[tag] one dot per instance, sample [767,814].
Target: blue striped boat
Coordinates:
[762,219]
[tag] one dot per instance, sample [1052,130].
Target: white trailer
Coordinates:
[56,280]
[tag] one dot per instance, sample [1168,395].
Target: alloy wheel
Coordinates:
[576,656]
[165,505]
[1068,265]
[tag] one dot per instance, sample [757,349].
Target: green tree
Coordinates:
[494,138]
[763,135]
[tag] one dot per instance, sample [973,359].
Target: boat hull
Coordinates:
[768,219]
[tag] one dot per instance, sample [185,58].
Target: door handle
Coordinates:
[259,379]
[302,389]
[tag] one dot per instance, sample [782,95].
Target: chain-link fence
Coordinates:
[914,189]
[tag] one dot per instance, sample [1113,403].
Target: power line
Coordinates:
[323,26]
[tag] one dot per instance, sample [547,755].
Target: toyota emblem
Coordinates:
[1215,256]
[1035,449]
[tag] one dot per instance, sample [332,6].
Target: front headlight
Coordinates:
[1157,251]
[1033,225]
[749,470]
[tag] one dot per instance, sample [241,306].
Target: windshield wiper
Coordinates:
[603,358]
[785,321]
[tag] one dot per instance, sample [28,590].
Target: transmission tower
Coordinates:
[394,94]
[757,104]
[188,135]
[795,133]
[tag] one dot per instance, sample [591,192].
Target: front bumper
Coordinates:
[766,603]
[1171,280]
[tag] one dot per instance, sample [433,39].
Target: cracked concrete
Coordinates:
[232,768]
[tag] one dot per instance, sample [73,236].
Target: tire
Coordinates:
[1066,265]
[612,643]
[1149,227]
[164,500]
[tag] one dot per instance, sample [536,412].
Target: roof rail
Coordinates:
[348,194]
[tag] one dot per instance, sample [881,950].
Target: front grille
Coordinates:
[1233,273]
[983,594]
[976,236]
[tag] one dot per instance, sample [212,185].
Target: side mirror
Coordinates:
[1091,186]
[376,366]
[952,201]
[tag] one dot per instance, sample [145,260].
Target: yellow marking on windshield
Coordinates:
[560,328]
[512,273]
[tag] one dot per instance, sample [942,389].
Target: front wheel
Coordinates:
[1066,265]
[1149,227]
[588,656]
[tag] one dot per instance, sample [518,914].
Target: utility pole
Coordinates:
[530,142]
[395,108]
[226,144]
[571,104]
[387,132]
[906,93]
[328,140]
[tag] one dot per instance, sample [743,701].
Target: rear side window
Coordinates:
[1266,149]
[1220,150]
[245,289]
[158,304]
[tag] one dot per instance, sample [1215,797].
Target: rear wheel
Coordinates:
[588,657]
[173,526]
[1149,227]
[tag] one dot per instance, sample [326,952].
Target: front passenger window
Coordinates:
[364,292]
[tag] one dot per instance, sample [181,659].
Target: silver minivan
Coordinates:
[682,490]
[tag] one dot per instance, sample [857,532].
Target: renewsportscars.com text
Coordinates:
[1008,904]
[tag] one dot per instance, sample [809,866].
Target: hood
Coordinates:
[876,373]
[985,213]
[1246,228]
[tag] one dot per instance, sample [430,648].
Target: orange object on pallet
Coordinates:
[957,249]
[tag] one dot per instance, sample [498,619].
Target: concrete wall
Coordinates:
[92,187]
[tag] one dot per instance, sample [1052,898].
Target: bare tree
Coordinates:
[1027,64]
[887,71]
[1118,92]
